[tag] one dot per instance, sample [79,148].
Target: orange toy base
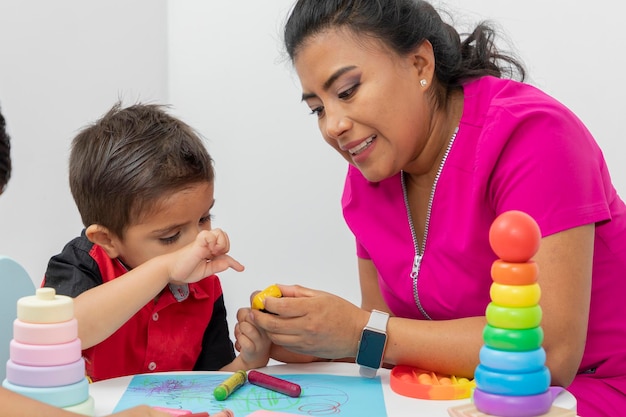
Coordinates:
[418,383]
[469,410]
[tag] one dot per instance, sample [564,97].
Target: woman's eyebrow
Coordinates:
[330,81]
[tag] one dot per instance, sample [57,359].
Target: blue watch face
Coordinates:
[371,348]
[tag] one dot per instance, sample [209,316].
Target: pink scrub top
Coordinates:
[516,149]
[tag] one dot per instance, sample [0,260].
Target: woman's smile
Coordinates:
[362,146]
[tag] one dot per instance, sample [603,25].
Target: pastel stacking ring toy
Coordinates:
[45,358]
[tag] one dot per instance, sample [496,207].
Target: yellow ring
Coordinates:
[515,295]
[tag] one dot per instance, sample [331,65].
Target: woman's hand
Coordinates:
[311,322]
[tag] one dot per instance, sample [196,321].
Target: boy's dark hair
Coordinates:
[131,158]
[5,155]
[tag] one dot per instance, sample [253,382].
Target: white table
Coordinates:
[107,393]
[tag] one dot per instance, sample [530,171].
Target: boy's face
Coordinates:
[176,222]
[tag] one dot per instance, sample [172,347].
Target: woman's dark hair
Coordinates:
[403,25]
[5,155]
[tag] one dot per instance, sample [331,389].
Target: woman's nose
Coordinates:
[337,124]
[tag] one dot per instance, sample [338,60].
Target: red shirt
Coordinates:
[164,335]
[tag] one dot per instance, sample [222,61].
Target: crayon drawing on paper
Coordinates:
[322,395]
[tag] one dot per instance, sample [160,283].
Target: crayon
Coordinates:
[273,383]
[232,383]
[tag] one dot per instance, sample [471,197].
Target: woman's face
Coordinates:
[368,100]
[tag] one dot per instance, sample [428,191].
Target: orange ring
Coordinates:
[509,273]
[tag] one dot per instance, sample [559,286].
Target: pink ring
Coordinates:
[45,355]
[512,405]
[45,333]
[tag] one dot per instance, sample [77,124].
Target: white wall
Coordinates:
[220,65]
[63,64]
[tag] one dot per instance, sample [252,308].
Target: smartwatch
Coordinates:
[372,344]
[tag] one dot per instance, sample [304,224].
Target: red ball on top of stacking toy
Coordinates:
[514,236]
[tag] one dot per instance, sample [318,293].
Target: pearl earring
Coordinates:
[423,82]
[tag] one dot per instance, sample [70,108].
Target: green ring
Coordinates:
[513,317]
[513,340]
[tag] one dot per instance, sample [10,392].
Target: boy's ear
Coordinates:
[104,238]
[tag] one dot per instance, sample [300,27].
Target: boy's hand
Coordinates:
[253,343]
[206,255]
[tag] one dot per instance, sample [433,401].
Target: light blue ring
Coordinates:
[504,383]
[507,361]
[62,396]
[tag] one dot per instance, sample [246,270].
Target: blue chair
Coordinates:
[15,283]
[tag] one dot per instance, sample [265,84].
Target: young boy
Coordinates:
[17,405]
[142,271]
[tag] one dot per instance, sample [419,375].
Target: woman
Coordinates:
[438,145]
